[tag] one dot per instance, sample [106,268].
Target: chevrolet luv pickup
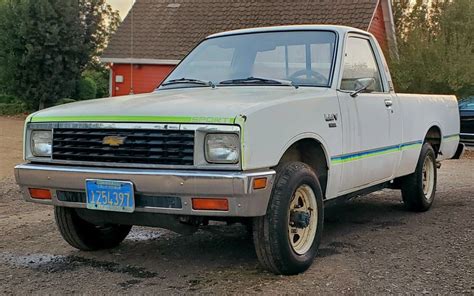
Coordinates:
[258,126]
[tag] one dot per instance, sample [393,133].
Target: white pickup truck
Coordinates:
[260,126]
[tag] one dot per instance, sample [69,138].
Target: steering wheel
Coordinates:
[318,77]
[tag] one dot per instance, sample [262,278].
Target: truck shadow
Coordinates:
[219,247]
[155,253]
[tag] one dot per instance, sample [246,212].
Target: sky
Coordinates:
[122,5]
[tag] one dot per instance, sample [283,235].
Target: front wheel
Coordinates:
[86,236]
[287,238]
[419,188]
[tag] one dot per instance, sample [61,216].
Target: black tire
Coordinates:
[85,236]
[270,232]
[413,193]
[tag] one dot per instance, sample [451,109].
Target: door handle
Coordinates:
[388,103]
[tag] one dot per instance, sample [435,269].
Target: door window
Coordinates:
[360,63]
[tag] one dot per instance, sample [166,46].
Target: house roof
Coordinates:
[168,29]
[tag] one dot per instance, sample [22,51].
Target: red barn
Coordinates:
[157,34]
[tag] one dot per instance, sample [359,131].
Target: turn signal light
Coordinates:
[40,193]
[210,204]
[259,183]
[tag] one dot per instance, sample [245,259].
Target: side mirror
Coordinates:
[362,84]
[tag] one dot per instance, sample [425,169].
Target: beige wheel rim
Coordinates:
[428,177]
[301,232]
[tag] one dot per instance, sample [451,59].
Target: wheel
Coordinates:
[85,236]
[419,188]
[287,238]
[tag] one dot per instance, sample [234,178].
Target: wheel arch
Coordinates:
[434,137]
[309,149]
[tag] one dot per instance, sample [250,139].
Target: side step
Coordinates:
[344,198]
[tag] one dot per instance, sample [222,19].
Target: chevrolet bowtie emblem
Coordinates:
[113,141]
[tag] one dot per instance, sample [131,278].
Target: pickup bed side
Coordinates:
[422,113]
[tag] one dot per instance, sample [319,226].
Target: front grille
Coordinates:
[71,196]
[141,201]
[140,146]
[168,202]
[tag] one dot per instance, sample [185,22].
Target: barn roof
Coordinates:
[168,29]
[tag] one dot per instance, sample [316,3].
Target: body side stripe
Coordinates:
[451,137]
[375,152]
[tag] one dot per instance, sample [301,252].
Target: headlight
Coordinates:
[222,148]
[41,143]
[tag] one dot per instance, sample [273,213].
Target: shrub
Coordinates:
[7,99]
[13,108]
[86,89]
[101,77]
[10,105]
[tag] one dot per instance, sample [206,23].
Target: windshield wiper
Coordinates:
[190,81]
[259,80]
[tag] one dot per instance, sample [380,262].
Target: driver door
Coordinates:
[370,135]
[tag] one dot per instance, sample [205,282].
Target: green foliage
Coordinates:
[46,44]
[7,99]
[86,89]
[100,75]
[13,109]
[436,47]
[10,105]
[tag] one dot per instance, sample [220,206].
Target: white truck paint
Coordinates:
[366,139]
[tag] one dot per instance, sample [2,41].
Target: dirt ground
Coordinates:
[370,246]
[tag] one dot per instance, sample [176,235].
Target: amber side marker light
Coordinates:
[259,183]
[210,204]
[40,193]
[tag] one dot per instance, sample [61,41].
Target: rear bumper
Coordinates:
[243,200]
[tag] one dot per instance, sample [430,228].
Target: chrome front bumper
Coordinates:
[243,200]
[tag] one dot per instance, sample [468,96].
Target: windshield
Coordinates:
[302,58]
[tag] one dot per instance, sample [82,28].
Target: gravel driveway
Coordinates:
[370,246]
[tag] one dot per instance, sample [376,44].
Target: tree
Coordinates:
[435,47]
[46,44]
[99,22]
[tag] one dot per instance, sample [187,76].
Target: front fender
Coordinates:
[308,135]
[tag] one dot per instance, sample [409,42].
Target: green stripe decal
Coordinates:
[375,152]
[451,137]
[140,119]
[240,120]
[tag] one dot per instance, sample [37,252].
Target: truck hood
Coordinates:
[190,105]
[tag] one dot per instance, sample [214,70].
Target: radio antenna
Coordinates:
[131,48]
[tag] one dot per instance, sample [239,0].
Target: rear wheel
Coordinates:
[419,188]
[86,236]
[287,238]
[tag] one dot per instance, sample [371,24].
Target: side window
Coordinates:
[360,63]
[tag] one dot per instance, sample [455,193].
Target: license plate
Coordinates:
[109,195]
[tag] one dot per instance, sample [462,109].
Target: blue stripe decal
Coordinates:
[374,152]
[410,143]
